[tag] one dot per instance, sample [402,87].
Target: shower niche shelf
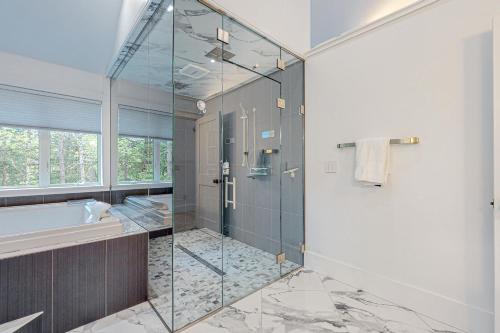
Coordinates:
[258,172]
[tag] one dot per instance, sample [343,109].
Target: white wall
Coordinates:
[332,18]
[425,240]
[286,21]
[29,73]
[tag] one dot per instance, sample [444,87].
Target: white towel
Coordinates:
[372,161]
[98,210]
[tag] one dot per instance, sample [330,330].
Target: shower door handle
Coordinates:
[227,202]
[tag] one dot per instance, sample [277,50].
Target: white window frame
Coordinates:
[104,160]
[44,186]
[156,183]
[45,136]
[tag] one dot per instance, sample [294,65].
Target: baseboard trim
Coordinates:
[463,316]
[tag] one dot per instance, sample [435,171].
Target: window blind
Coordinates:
[30,108]
[140,122]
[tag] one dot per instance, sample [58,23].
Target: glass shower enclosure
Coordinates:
[220,111]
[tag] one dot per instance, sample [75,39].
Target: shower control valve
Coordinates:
[225,168]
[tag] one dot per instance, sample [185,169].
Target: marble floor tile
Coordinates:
[306,301]
[138,319]
[302,302]
[209,270]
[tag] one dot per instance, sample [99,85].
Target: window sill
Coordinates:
[135,186]
[27,191]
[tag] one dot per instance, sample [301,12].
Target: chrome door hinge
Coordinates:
[302,248]
[222,36]
[280,64]
[302,110]
[280,258]
[280,103]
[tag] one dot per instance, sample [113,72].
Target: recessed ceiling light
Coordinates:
[170,8]
[212,61]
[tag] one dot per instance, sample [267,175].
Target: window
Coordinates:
[48,139]
[144,146]
[74,158]
[19,157]
[135,159]
[166,161]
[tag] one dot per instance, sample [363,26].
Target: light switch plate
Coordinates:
[330,166]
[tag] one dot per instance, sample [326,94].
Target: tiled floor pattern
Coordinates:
[203,273]
[303,302]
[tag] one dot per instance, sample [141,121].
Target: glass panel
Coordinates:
[251,136]
[249,49]
[142,134]
[182,104]
[292,163]
[197,227]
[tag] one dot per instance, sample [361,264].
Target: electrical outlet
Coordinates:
[331,167]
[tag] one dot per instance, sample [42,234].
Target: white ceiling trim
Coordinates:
[354,33]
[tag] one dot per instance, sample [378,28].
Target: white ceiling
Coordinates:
[195,36]
[75,33]
[84,34]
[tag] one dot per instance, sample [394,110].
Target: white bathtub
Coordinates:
[34,226]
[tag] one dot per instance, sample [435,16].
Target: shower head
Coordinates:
[244,113]
[202,106]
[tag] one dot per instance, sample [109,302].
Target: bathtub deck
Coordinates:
[129,228]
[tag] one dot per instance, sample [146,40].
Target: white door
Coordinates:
[207,169]
[496,151]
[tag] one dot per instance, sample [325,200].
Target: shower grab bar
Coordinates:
[226,192]
[287,172]
[412,140]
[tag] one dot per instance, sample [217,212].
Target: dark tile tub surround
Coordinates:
[126,282]
[74,285]
[112,197]
[79,285]
[25,289]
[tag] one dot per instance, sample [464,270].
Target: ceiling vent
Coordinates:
[218,54]
[193,71]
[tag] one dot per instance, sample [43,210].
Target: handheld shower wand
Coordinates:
[244,118]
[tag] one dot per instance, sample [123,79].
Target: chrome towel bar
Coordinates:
[412,140]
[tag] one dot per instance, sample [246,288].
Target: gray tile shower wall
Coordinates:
[112,197]
[269,213]
[74,285]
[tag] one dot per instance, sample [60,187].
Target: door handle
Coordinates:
[228,202]
[216,181]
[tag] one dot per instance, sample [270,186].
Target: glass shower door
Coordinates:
[252,190]
[197,239]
